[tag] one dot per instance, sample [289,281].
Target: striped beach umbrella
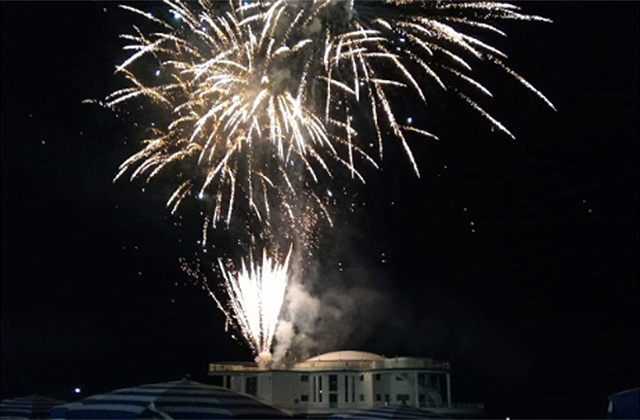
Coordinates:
[31,407]
[183,399]
[624,405]
[388,412]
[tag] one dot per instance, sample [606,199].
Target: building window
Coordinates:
[353,389]
[304,398]
[295,401]
[304,378]
[361,397]
[402,397]
[422,400]
[315,381]
[377,376]
[333,383]
[399,378]
[346,388]
[251,385]
[378,397]
[386,398]
[434,381]
[361,378]
[333,400]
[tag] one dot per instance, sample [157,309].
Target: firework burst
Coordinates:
[263,101]
[251,298]
[261,96]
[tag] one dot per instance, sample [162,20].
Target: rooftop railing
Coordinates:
[232,366]
[391,363]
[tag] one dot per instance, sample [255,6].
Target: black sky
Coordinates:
[516,260]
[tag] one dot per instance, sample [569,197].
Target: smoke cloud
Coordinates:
[324,313]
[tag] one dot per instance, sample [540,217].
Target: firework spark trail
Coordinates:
[241,83]
[265,99]
[256,294]
[252,297]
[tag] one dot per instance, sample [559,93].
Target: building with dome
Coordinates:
[344,380]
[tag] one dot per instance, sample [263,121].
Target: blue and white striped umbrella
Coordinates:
[388,412]
[169,400]
[31,407]
[624,405]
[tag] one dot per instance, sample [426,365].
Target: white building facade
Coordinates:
[344,380]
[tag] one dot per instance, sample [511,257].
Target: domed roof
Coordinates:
[345,356]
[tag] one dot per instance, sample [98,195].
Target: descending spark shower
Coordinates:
[260,100]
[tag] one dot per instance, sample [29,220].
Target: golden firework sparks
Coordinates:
[241,83]
[262,99]
[251,296]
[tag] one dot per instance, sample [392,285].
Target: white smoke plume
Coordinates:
[327,317]
[297,323]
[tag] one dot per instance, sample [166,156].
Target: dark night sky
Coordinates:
[531,292]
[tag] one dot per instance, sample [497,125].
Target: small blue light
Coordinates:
[409,120]
[77,390]
[158,72]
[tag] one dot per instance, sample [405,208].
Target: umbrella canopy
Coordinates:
[624,405]
[31,407]
[388,412]
[168,400]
